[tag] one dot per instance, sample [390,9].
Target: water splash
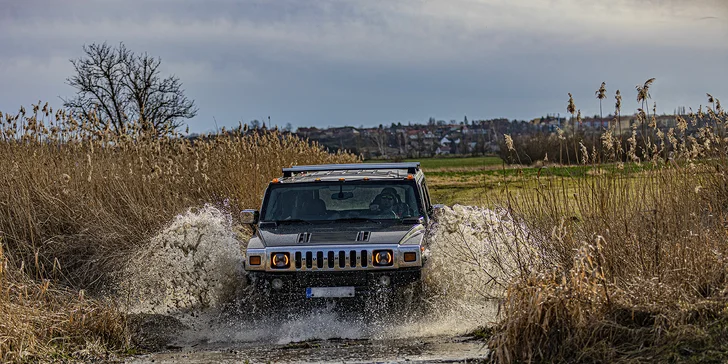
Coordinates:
[193,264]
[194,267]
[472,253]
[468,260]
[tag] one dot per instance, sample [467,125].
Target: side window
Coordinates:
[426,194]
[423,200]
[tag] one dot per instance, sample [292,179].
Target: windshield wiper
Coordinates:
[411,220]
[289,221]
[357,219]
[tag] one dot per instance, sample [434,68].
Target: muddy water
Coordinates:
[426,350]
[191,275]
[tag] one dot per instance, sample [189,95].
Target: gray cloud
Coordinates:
[368,62]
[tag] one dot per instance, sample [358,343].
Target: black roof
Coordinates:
[411,167]
[349,171]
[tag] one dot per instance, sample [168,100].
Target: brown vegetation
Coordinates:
[75,201]
[625,266]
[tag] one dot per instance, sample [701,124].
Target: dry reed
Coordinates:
[76,201]
[629,264]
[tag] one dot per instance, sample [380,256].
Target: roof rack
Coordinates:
[411,167]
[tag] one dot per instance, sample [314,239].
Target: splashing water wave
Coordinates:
[195,265]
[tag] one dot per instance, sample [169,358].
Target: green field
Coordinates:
[452,162]
[483,181]
[458,163]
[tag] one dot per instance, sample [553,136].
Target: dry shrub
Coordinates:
[44,323]
[630,264]
[76,196]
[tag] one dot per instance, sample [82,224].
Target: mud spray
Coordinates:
[193,269]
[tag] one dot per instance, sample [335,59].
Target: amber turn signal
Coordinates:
[255,260]
[410,256]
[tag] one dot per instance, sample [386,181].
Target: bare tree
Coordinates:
[120,88]
[380,139]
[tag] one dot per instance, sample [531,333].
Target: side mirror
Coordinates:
[435,208]
[249,217]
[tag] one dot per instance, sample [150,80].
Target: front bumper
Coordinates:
[364,282]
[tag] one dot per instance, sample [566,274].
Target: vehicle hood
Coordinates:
[305,235]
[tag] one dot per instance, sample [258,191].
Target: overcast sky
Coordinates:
[330,62]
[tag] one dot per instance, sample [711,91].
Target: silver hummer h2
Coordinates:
[339,230]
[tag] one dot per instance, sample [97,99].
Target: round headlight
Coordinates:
[280,260]
[383,257]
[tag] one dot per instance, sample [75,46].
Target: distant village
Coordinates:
[441,138]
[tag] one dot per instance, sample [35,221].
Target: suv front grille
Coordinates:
[331,259]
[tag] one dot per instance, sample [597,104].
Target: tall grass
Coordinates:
[624,266]
[76,200]
[41,321]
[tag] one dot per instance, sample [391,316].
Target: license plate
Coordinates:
[317,292]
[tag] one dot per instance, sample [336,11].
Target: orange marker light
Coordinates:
[275,180]
[342,179]
[410,177]
[255,260]
[410,256]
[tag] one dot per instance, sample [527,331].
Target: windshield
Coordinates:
[331,201]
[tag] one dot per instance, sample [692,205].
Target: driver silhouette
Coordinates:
[387,203]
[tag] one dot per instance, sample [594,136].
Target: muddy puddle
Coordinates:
[443,349]
[183,294]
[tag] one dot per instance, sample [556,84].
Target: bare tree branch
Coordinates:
[115,88]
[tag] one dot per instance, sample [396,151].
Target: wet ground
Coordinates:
[438,349]
[333,334]
[187,303]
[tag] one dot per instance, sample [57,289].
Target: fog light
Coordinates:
[384,281]
[254,260]
[410,256]
[276,283]
[280,260]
